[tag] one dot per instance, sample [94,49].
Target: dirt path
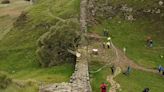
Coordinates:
[123,62]
[114,85]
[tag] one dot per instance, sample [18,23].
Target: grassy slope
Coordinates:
[132,35]
[9,13]
[99,77]
[17,49]
[139,80]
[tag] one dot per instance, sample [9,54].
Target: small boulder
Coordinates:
[158,11]
[130,17]
[160,3]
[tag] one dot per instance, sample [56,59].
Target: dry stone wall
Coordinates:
[79,81]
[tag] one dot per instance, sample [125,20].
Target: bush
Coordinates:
[4,81]
[5,2]
[54,45]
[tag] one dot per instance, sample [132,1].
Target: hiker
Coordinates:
[106,32]
[151,44]
[103,87]
[124,50]
[146,90]
[128,70]
[113,69]
[160,68]
[108,45]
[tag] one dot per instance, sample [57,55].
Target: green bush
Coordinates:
[4,81]
[54,45]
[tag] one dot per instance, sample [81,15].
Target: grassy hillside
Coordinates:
[18,47]
[9,13]
[98,78]
[132,34]
[139,80]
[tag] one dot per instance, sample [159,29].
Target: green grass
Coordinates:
[98,78]
[132,35]
[14,88]
[18,48]
[139,80]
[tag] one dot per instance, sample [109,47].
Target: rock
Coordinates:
[148,10]
[153,11]
[126,9]
[158,11]
[130,17]
[119,22]
[160,3]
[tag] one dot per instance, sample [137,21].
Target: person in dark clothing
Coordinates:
[113,69]
[128,70]
[151,43]
[146,90]
[160,68]
[106,32]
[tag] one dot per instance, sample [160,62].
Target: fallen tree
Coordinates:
[54,45]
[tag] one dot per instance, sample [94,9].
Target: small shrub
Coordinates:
[4,81]
[5,2]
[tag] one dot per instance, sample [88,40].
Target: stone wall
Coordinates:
[79,81]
